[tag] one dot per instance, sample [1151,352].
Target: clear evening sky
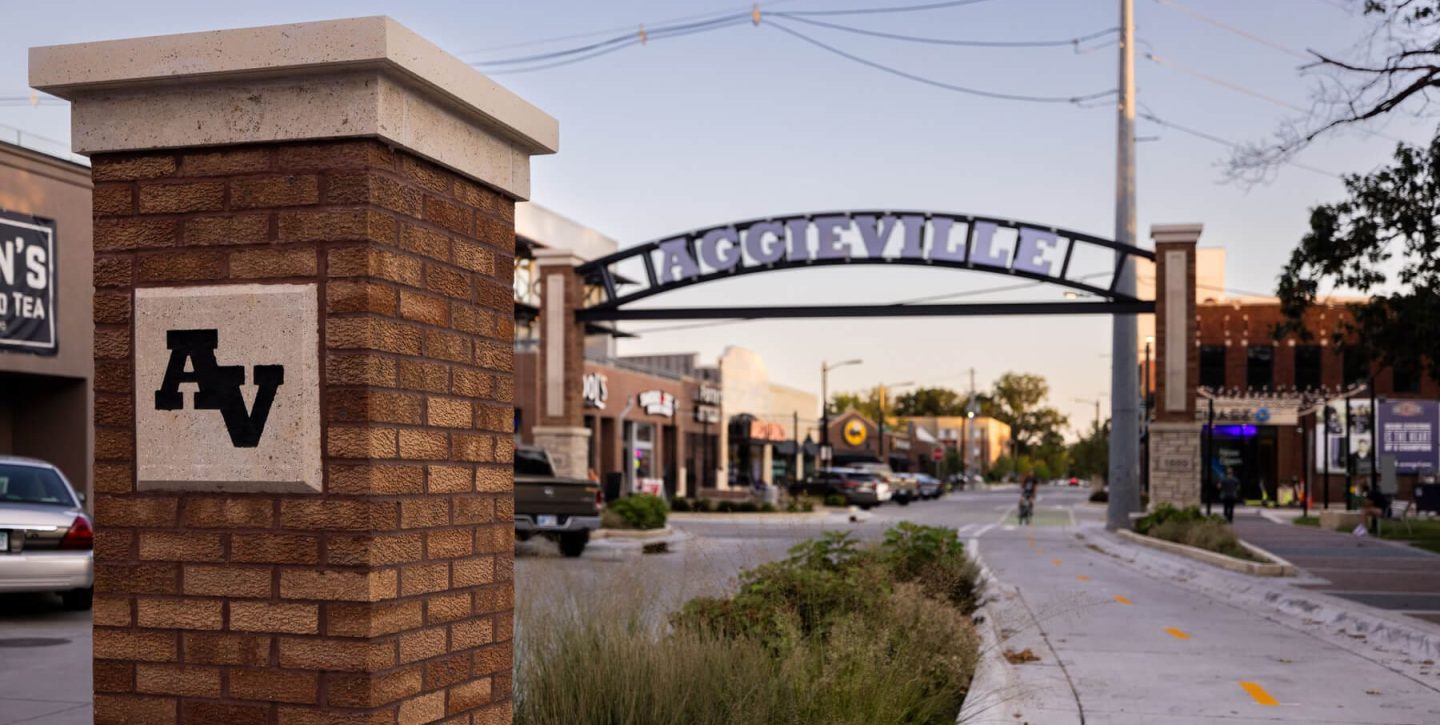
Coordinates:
[749,121]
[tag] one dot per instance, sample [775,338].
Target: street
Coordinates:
[1114,642]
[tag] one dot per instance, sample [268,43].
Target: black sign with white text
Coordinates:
[27,284]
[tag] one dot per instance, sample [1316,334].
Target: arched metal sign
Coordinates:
[914,238]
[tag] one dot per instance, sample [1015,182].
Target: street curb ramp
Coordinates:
[1353,626]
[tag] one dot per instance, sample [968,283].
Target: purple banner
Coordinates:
[1408,431]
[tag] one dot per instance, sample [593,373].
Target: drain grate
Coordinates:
[23,642]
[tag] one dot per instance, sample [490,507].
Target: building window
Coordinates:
[1309,373]
[1357,369]
[1260,367]
[1404,379]
[1212,366]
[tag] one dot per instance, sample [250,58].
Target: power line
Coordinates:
[939,84]
[618,29]
[1150,116]
[1252,37]
[632,41]
[892,9]
[1073,42]
[635,36]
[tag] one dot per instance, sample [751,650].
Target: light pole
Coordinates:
[882,414]
[825,369]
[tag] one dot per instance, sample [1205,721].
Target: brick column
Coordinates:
[560,426]
[367,179]
[1175,435]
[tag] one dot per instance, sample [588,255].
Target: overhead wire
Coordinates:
[939,84]
[622,28]
[892,8]
[1252,37]
[1071,42]
[634,36]
[1150,116]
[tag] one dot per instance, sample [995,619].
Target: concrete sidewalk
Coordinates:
[1384,574]
[1122,643]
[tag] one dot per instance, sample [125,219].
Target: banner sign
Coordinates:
[707,404]
[657,402]
[1407,432]
[1332,435]
[595,391]
[27,284]
[1259,410]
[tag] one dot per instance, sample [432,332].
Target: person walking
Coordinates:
[1229,493]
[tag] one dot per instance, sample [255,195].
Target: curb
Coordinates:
[999,686]
[632,534]
[1352,626]
[1277,567]
[778,517]
[611,548]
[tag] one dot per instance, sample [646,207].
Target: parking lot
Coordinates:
[44,662]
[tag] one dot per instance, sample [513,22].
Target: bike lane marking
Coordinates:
[1259,694]
[1082,578]
[1176,633]
[1123,600]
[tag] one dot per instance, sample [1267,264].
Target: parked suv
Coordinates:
[860,488]
[46,541]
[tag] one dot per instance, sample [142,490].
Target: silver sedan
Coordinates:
[46,540]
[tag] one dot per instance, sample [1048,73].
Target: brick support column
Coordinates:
[560,427]
[378,589]
[1174,438]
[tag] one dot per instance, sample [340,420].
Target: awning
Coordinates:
[924,436]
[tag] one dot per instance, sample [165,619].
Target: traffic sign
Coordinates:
[937,454]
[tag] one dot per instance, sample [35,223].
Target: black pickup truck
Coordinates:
[565,510]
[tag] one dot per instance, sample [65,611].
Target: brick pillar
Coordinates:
[1174,440]
[328,209]
[560,426]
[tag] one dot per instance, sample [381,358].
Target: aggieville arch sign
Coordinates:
[916,238]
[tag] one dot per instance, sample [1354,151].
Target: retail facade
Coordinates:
[46,299]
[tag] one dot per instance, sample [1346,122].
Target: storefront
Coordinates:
[46,306]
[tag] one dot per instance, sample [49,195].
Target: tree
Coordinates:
[1090,455]
[1016,400]
[866,404]
[1396,66]
[1391,216]
[930,401]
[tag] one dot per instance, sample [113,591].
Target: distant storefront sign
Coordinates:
[761,430]
[1259,411]
[657,402]
[27,284]
[595,391]
[707,404]
[1335,446]
[1407,432]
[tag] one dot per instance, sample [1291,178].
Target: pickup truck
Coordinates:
[564,510]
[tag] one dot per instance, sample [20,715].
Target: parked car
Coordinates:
[46,540]
[930,487]
[564,510]
[903,489]
[860,488]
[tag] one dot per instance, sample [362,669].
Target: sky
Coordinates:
[748,121]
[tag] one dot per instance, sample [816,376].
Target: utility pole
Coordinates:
[1124,388]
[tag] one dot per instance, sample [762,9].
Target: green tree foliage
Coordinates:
[1392,214]
[1016,399]
[931,401]
[1090,456]
[865,403]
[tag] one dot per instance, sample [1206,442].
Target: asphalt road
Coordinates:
[44,662]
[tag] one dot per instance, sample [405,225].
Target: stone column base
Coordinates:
[568,446]
[1175,472]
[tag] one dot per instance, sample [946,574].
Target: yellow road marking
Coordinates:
[1082,577]
[1177,634]
[1123,600]
[1056,562]
[1259,693]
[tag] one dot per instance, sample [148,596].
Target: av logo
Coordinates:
[227,388]
[219,386]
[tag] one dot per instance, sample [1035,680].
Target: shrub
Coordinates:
[641,511]
[705,505]
[1167,512]
[680,504]
[836,499]
[801,504]
[934,558]
[1191,527]
[1100,497]
[767,508]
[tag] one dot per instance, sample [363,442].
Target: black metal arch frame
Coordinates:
[600,272]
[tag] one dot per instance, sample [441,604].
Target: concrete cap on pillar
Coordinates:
[353,78]
[1176,232]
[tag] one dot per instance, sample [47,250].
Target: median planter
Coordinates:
[1269,564]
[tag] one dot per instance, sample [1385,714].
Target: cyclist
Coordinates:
[1027,499]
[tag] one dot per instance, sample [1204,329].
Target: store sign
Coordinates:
[657,402]
[27,284]
[595,391]
[855,433]
[707,404]
[227,392]
[765,431]
[1408,431]
[1258,411]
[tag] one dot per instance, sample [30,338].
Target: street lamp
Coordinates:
[825,369]
[882,413]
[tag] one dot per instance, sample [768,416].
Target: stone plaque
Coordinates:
[1177,464]
[227,388]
